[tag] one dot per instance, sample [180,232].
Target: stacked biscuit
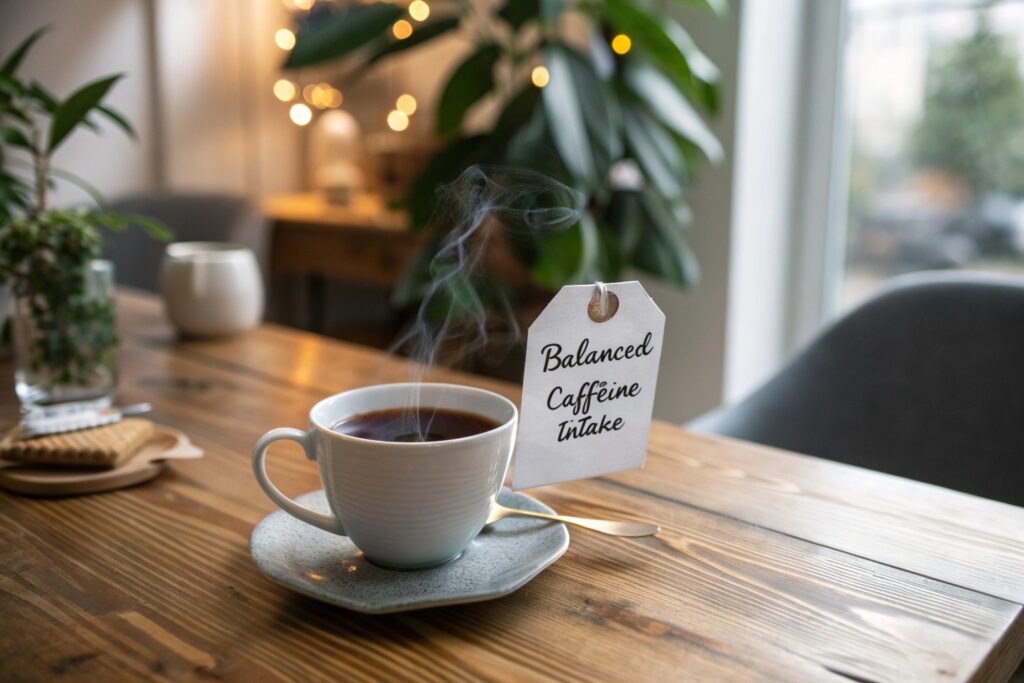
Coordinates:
[102,447]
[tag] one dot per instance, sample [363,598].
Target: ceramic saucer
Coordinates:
[502,559]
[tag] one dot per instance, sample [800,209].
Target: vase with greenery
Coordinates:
[61,314]
[615,111]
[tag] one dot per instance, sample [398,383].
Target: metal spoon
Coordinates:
[631,529]
[57,419]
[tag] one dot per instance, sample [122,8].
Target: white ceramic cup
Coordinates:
[211,289]
[404,504]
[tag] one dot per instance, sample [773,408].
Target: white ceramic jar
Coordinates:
[211,289]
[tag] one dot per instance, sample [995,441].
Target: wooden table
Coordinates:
[771,566]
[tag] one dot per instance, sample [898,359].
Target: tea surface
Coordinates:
[418,424]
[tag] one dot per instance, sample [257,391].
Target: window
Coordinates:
[933,92]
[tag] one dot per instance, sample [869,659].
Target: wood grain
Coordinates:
[958,538]
[156,582]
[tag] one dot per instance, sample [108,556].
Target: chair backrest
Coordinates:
[192,217]
[925,381]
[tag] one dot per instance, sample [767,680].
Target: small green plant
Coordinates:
[45,254]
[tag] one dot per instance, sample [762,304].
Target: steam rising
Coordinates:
[460,312]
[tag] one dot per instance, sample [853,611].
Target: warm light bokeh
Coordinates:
[284,38]
[406,104]
[540,76]
[397,120]
[402,29]
[300,114]
[621,44]
[285,90]
[419,10]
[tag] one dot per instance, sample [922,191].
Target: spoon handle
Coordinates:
[631,529]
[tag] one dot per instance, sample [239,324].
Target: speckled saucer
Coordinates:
[502,559]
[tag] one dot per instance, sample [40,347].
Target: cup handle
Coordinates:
[259,467]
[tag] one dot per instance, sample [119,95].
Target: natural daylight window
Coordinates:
[934,104]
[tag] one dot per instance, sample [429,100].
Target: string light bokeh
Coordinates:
[303,98]
[540,76]
[621,44]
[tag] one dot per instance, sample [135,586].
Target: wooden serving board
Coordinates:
[150,460]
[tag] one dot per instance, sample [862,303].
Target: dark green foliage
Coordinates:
[598,110]
[972,126]
[473,79]
[330,36]
[423,34]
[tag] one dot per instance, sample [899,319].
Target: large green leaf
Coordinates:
[518,110]
[336,35]
[601,56]
[118,119]
[622,217]
[611,257]
[75,108]
[670,47]
[565,118]
[14,60]
[81,183]
[648,32]
[665,101]
[49,103]
[568,256]
[43,97]
[423,34]
[705,78]
[600,111]
[657,154]
[14,137]
[532,147]
[663,250]
[473,79]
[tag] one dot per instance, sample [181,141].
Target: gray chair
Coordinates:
[925,381]
[192,217]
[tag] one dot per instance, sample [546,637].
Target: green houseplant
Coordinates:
[621,125]
[62,322]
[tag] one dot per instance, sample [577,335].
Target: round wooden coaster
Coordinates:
[149,461]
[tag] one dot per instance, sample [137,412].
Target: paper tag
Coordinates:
[588,387]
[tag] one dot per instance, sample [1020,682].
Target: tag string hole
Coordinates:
[599,313]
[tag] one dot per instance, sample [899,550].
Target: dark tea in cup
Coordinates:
[415,425]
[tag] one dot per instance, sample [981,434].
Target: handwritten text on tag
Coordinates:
[588,386]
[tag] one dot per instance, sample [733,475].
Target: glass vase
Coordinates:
[65,352]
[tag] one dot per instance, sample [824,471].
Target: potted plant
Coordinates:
[62,310]
[603,95]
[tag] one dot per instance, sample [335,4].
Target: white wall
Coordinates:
[198,91]
[222,128]
[90,40]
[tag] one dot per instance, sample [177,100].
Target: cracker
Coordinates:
[106,446]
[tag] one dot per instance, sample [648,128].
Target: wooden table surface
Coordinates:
[770,566]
